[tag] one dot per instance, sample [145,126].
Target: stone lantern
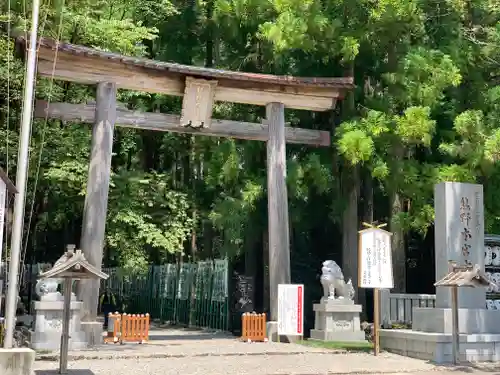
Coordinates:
[462,276]
[59,316]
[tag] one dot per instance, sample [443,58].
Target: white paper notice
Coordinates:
[375,259]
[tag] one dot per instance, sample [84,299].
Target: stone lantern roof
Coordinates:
[466,276]
[73,265]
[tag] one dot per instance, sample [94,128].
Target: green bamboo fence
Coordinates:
[187,294]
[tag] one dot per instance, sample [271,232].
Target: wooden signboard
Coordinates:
[375,268]
[375,260]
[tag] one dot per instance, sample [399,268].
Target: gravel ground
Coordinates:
[298,364]
[180,343]
[186,352]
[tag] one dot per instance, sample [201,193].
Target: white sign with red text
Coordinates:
[290,309]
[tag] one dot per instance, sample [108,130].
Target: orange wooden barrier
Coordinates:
[128,328]
[135,328]
[253,327]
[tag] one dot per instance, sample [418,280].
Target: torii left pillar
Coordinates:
[277,196]
[96,204]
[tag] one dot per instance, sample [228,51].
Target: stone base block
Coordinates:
[272,331]
[93,333]
[52,340]
[336,301]
[437,347]
[17,361]
[272,334]
[343,336]
[471,321]
[337,306]
[337,320]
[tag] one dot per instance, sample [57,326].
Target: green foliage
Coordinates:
[422,77]
[232,215]
[415,126]
[426,110]
[156,219]
[356,146]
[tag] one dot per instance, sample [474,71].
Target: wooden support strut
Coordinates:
[171,123]
[96,199]
[279,237]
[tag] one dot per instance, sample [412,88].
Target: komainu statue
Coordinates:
[334,285]
[46,289]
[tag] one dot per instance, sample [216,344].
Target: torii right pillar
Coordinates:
[277,196]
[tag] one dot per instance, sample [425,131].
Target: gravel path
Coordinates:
[180,343]
[188,352]
[299,364]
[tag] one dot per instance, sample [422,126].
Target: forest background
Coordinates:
[424,110]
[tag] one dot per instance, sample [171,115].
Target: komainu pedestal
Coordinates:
[337,320]
[337,317]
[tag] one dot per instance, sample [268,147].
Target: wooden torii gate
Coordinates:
[200,87]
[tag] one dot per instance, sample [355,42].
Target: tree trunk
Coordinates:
[250,260]
[398,245]
[209,42]
[185,183]
[192,174]
[368,207]
[350,191]
[398,240]
[367,214]
[350,223]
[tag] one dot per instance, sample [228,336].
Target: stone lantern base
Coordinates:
[48,326]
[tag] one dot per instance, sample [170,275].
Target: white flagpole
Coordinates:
[21,179]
